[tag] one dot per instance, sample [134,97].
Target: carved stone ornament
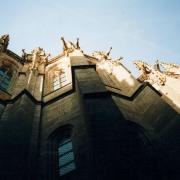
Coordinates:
[171,70]
[101,55]
[4,41]
[35,58]
[105,56]
[150,74]
[69,46]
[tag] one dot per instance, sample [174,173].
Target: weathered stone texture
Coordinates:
[62,112]
[2,107]
[89,81]
[15,134]
[147,109]
[119,127]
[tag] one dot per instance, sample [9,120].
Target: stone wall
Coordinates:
[160,121]
[65,111]
[15,135]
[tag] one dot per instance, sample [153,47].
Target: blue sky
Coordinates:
[136,29]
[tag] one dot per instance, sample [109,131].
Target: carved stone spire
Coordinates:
[108,53]
[24,56]
[4,41]
[69,46]
[72,44]
[35,58]
[35,61]
[77,44]
[157,66]
[65,47]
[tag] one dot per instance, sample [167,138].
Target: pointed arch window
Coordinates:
[59,80]
[61,151]
[66,160]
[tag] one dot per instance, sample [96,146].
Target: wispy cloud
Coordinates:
[135,28]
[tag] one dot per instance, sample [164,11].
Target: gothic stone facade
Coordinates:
[83,117]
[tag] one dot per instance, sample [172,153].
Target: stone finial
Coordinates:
[171,70]
[38,51]
[35,59]
[143,67]
[120,58]
[108,53]
[39,54]
[65,47]
[4,41]
[72,45]
[103,56]
[157,66]
[47,56]
[77,44]
[24,56]
[100,55]
[150,74]
[69,46]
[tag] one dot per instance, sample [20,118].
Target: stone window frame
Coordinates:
[6,76]
[11,69]
[63,132]
[59,80]
[66,156]
[5,80]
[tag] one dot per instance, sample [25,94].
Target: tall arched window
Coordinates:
[61,151]
[66,158]
[59,80]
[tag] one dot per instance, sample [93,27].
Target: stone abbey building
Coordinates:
[85,117]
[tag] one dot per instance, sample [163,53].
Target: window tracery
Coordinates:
[59,80]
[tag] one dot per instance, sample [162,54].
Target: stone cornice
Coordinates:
[15,56]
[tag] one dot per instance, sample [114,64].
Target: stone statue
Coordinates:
[4,41]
